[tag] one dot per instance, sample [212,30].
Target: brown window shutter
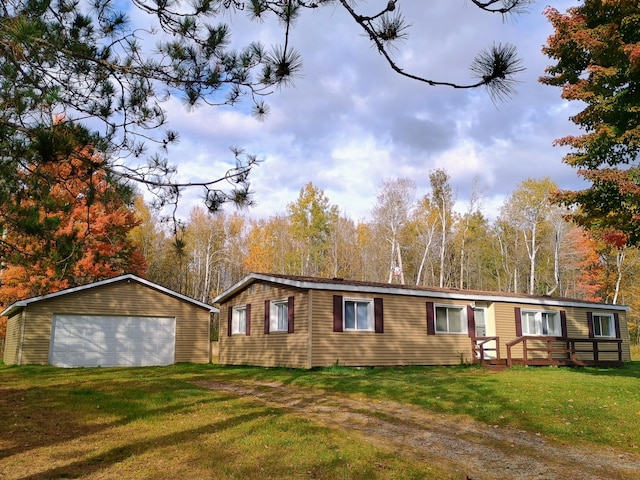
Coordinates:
[229,320]
[616,321]
[471,321]
[563,322]
[267,316]
[378,315]
[590,325]
[248,311]
[431,322]
[337,313]
[518,314]
[290,315]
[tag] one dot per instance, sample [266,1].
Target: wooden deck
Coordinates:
[548,351]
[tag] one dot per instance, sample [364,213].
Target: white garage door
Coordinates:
[108,341]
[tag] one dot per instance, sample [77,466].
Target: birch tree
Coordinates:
[394,201]
[443,199]
[528,211]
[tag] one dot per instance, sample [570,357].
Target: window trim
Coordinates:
[235,320]
[273,315]
[612,325]
[370,315]
[538,321]
[464,321]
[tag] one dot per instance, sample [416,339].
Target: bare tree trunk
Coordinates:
[442,247]
[532,251]
[462,245]
[619,261]
[556,263]
[399,253]
[393,247]
[207,273]
[424,256]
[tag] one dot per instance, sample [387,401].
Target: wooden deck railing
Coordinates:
[480,348]
[567,351]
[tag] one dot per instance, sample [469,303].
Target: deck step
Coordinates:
[495,364]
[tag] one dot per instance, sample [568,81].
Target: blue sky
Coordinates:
[350,122]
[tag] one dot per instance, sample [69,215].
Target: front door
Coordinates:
[480,317]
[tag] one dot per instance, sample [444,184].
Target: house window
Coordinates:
[239,320]
[358,314]
[541,323]
[451,319]
[279,316]
[603,326]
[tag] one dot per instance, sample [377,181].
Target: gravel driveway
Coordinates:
[469,448]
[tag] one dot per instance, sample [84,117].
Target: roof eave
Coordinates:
[128,277]
[550,301]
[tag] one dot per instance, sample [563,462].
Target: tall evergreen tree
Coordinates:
[65,222]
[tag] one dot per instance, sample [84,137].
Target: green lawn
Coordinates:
[155,423]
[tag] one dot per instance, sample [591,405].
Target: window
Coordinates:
[603,326]
[451,319]
[279,316]
[541,323]
[239,320]
[358,314]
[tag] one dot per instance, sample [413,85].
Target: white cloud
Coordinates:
[351,122]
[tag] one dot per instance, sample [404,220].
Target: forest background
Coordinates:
[413,238]
[102,228]
[81,98]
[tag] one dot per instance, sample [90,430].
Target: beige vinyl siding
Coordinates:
[119,298]
[12,340]
[577,327]
[274,349]
[504,314]
[404,341]
[624,334]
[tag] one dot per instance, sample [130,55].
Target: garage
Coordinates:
[110,341]
[119,321]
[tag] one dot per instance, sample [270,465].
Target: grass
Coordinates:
[155,423]
[596,405]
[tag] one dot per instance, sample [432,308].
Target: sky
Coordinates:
[350,122]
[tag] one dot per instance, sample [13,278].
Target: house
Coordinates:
[302,322]
[122,321]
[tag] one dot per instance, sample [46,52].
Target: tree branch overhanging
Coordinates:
[85,62]
[496,67]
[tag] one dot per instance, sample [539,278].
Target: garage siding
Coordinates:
[12,341]
[119,298]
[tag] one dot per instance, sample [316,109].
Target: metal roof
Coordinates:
[408,290]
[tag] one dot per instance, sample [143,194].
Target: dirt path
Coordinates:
[476,450]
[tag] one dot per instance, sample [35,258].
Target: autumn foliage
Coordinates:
[596,47]
[66,223]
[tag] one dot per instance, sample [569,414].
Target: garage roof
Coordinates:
[11,309]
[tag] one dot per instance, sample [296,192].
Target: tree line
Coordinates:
[411,238]
[67,188]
